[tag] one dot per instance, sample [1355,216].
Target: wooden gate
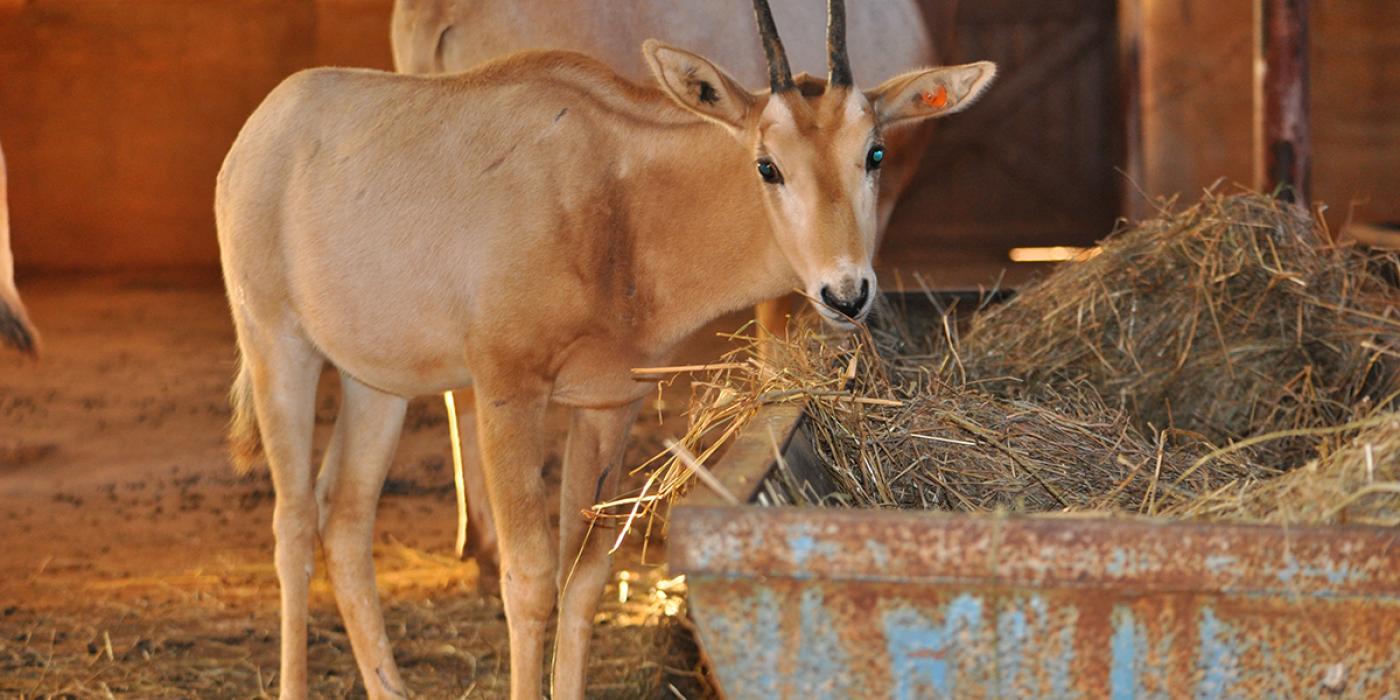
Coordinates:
[1037,161]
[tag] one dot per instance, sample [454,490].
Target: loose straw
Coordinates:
[677,369]
[701,472]
[457,475]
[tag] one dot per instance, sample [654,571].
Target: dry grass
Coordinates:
[449,641]
[1183,371]
[1230,319]
[1358,483]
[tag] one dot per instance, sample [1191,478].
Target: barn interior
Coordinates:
[139,565]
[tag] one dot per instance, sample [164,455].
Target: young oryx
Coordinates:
[15,330]
[535,228]
[447,36]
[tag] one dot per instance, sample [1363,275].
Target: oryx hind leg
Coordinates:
[284,368]
[366,435]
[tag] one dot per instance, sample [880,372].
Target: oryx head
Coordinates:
[817,152]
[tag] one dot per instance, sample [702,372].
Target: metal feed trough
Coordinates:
[832,603]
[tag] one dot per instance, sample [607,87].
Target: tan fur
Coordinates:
[886,37]
[15,329]
[448,36]
[535,228]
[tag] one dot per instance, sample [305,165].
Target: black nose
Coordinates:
[852,307]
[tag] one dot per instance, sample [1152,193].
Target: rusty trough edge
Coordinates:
[1124,554]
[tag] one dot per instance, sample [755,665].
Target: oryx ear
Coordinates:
[699,85]
[930,92]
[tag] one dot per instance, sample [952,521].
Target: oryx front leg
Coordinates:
[592,462]
[284,369]
[366,433]
[510,421]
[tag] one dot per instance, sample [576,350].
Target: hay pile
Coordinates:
[895,431]
[1359,483]
[1184,371]
[1230,319]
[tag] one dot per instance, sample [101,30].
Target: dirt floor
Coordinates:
[135,564]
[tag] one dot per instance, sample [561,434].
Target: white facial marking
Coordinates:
[799,201]
[778,113]
[856,105]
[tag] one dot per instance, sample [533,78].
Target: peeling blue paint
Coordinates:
[879,552]
[801,546]
[1216,659]
[760,621]
[1117,562]
[923,656]
[1125,561]
[1126,645]
[820,652]
[1059,666]
[1333,573]
[805,542]
[1012,638]
[1219,564]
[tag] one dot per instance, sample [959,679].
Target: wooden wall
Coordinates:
[1198,100]
[115,114]
[1034,162]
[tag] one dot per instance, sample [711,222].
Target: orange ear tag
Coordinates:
[936,100]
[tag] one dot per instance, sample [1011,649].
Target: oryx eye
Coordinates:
[874,158]
[769,172]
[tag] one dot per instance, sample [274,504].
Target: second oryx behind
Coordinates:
[535,227]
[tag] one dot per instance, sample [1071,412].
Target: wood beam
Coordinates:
[1282,142]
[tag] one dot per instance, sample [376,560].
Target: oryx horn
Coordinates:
[779,74]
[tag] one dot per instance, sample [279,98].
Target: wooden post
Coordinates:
[1133,204]
[1283,147]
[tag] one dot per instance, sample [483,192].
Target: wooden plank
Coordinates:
[1283,147]
[750,459]
[1374,235]
[1020,12]
[1014,91]
[1130,29]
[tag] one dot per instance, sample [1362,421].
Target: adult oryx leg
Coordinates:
[592,463]
[284,368]
[510,421]
[368,428]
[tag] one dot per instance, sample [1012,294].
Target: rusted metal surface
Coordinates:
[818,603]
[1283,143]
[814,603]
